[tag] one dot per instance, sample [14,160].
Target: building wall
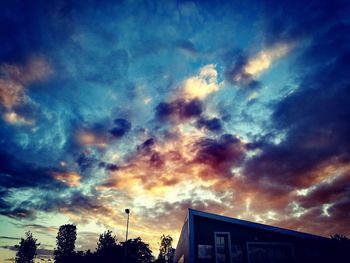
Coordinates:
[304,250]
[181,252]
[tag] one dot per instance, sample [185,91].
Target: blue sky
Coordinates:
[164,105]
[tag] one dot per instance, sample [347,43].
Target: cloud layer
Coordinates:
[234,108]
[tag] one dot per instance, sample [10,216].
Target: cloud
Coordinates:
[310,163]
[122,126]
[43,229]
[179,110]
[93,136]
[201,85]
[14,80]
[16,173]
[13,248]
[10,238]
[109,166]
[244,69]
[315,135]
[328,191]
[86,161]
[71,179]
[159,167]
[212,124]
[221,155]
[13,118]
[263,60]
[301,20]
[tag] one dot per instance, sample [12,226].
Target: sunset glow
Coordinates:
[234,108]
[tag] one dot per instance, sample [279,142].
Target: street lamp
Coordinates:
[127,211]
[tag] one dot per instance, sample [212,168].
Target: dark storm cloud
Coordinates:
[109,166]
[220,154]
[147,144]
[213,124]
[15,173]
[328,192]
[121,127]
[314,118]
[18,213]
[179,109]
[85,161]
[73,202]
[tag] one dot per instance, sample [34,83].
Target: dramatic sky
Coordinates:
[240,108]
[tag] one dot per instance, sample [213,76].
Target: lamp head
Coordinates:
[127,211]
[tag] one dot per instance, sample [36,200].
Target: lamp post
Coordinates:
[127,211]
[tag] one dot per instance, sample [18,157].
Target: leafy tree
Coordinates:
[26,249]
[166,251]
[106,241]
[65,241]
[107,249]
[137,251]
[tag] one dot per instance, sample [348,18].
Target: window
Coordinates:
[237,254]
[259,252]
[222,247]
[205,251]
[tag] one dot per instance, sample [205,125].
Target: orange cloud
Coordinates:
[13,118]
[15,79]
[262,61]
[69,178]
[89,138]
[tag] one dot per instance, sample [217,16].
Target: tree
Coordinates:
[65,241]
[137,251]
[106,241]
[27,249]
[166,251]
[107,249]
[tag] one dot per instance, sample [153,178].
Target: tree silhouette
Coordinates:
[26,249]
[166,251]
[65,241]
[137,251]
[106,241]
[107,249]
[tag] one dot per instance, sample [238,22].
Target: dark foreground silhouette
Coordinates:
[108,249]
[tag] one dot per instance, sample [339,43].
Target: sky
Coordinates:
[239,108]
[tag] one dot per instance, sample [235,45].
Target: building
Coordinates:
[213,238]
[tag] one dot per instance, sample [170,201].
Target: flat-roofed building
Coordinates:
[212,238]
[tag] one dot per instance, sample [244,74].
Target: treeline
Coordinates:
[108,249]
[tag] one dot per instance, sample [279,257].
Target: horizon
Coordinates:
[239,109]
